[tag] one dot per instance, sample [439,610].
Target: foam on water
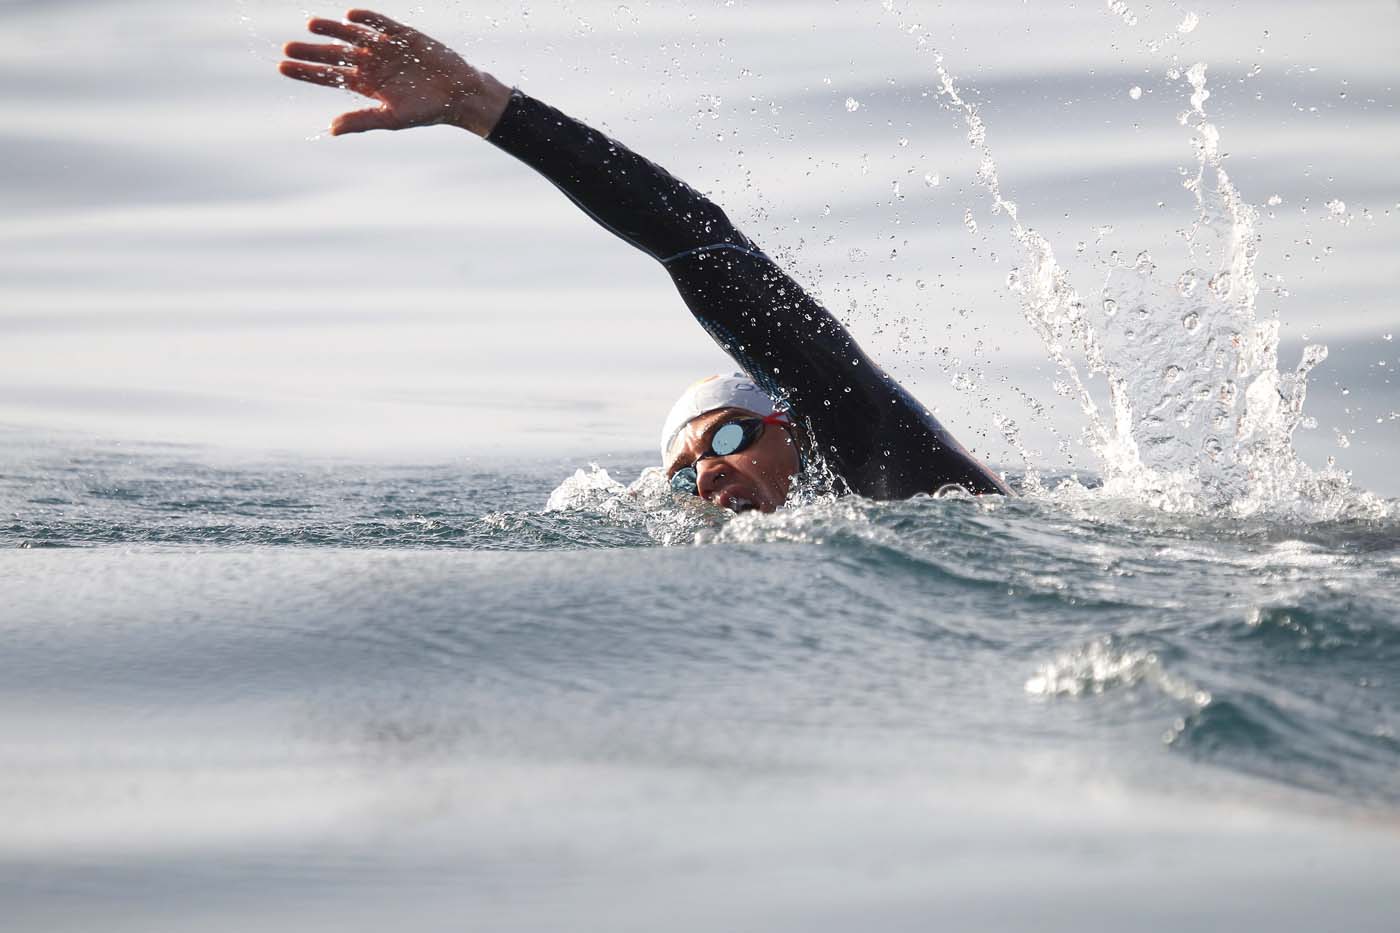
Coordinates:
[648,504]
[1103,665]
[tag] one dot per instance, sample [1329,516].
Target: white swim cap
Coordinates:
[712,394]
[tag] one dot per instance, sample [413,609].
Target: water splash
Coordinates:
[1105,664]
[1200,417]
[1203,417]
[648,503]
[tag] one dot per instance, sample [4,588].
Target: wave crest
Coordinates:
[1103,665]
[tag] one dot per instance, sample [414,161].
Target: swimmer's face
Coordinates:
[757,477]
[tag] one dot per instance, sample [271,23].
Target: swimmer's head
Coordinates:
[730,444]
[712,394]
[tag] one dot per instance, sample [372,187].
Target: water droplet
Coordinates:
[1143,264]
[1110,307]
[1275,200]
[1187,283]
[1188,23]
[1191,321]
[968,221]
[1081,246]
[1013,279]
[1172,373]
[1135,92]
[903,141]
[1121,8]
[856,254]
[852,105]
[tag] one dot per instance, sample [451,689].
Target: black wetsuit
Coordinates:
[873,434]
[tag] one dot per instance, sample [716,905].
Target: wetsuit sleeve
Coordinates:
[633,198]
[871,432]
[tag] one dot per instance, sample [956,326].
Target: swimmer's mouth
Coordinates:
[733,500]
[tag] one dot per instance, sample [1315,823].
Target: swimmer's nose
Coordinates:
[710,474]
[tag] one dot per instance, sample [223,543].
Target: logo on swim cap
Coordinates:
[711,394]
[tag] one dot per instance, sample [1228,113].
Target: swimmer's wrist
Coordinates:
[480,109]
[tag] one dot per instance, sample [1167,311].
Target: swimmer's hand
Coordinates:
[417,80]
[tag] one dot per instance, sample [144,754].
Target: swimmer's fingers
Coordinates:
[378,21]
[317,74]
[355,35]
[360,121]
[323,53]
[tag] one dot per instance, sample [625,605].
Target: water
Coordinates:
[305,691]
[1159,690]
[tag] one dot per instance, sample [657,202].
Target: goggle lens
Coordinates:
[686,482]
[733,437]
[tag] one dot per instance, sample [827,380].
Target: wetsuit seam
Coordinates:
[700,249]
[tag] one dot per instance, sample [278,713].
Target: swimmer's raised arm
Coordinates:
[420,82]
[873,433]
[417,80]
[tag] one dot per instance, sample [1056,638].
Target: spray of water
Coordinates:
[1200,418]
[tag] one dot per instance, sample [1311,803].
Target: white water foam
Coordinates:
[1103,665]
[647,503]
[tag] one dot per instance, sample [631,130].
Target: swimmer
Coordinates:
[806,391]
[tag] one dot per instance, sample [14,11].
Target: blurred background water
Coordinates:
[186,258]
[309,621]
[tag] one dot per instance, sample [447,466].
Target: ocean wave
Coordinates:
[1288,740]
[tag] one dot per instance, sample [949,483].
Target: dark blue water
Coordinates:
[272,681]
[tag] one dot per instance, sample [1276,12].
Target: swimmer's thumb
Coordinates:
[359,121]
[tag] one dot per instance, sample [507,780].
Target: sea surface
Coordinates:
[338,590]
[330,695]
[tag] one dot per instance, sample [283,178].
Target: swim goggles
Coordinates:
[732,437]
